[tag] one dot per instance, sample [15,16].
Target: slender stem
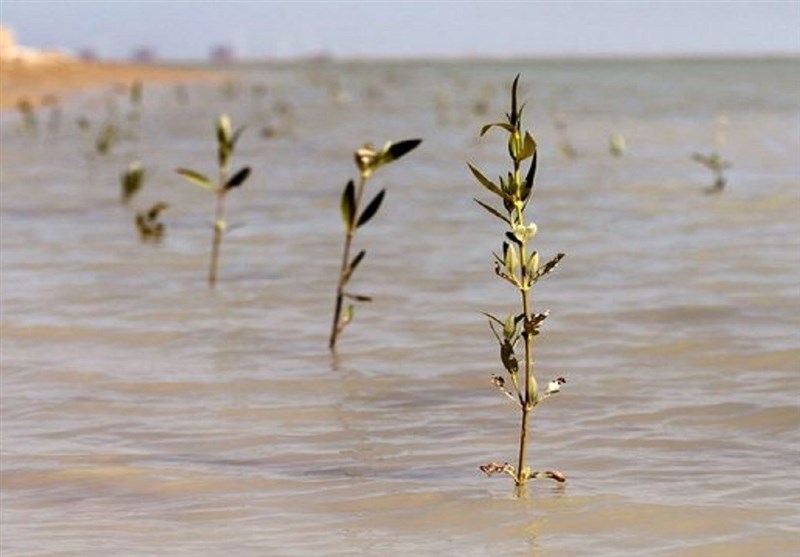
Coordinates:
[219,223]
[216,242]
[527,405]
[348,241]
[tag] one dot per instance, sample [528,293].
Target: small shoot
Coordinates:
[368,160]
[26,111]
[151,229]
[714,161]
[520,265]
[227,181]
[107,137]
[616,145]
[131,181]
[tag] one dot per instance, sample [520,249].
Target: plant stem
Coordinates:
[527,406]
[219,216]
[348,241]
[219,223]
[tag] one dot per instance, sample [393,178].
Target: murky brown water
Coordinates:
[144,415]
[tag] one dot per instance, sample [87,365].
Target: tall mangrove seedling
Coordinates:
[519,265]
[226,143]
[368,160]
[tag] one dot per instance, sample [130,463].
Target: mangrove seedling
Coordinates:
[717,165]
[226,144]
[616,145]
[565,147]
[28,114]
[368,160]
[714,161]
[519,265]
[150,228]
[131,181]
[106,138]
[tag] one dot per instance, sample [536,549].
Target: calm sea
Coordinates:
[145,415]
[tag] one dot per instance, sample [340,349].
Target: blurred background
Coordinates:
[187,30]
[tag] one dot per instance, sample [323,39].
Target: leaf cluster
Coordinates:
[226,144]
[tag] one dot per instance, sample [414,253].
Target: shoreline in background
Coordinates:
[54,81]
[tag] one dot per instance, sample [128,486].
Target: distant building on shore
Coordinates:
[222,54]
[143,54]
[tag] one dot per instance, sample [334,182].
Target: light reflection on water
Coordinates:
[144,415]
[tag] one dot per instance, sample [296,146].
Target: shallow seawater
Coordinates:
[143,414]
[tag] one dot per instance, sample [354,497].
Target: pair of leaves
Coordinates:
[226,139]
[204,182]
[348,207]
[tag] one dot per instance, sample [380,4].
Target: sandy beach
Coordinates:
[53,81]
[46,77]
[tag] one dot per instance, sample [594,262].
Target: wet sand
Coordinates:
[51,82]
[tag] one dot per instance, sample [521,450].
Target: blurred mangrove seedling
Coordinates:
[714,161]
[368,160]
[565,147]
[616,144]
[151,229]
[29,121]
[717,165]
[131,181]
[106,138]
[520,266]
[226,144]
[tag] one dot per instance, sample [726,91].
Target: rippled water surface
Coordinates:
[143,414]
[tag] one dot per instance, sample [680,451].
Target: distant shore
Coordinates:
[54,81]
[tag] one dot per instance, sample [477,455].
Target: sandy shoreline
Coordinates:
[55,81]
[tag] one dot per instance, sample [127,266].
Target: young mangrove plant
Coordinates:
[519,265]
[151,229]
[226,143]
[29,121]
[717,165]
[106,138]
[368,160]
[131,181]
[714,161]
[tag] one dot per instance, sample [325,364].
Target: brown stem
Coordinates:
[216,242]
[348,241]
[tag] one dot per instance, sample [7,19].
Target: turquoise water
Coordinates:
[143,414]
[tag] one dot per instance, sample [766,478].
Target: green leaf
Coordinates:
[493,318]
[530,176]
[509,327]
[371,209]
[397,150]
[347,316]
[486,182]
[353,264]
[238,178]
[196,178]
[508,127]
[528,147]
[224,130]
[236,135]
[348,205]
[511,236]
[509,358]
[493,211]
[547,267]
[514,117]
[358,297]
